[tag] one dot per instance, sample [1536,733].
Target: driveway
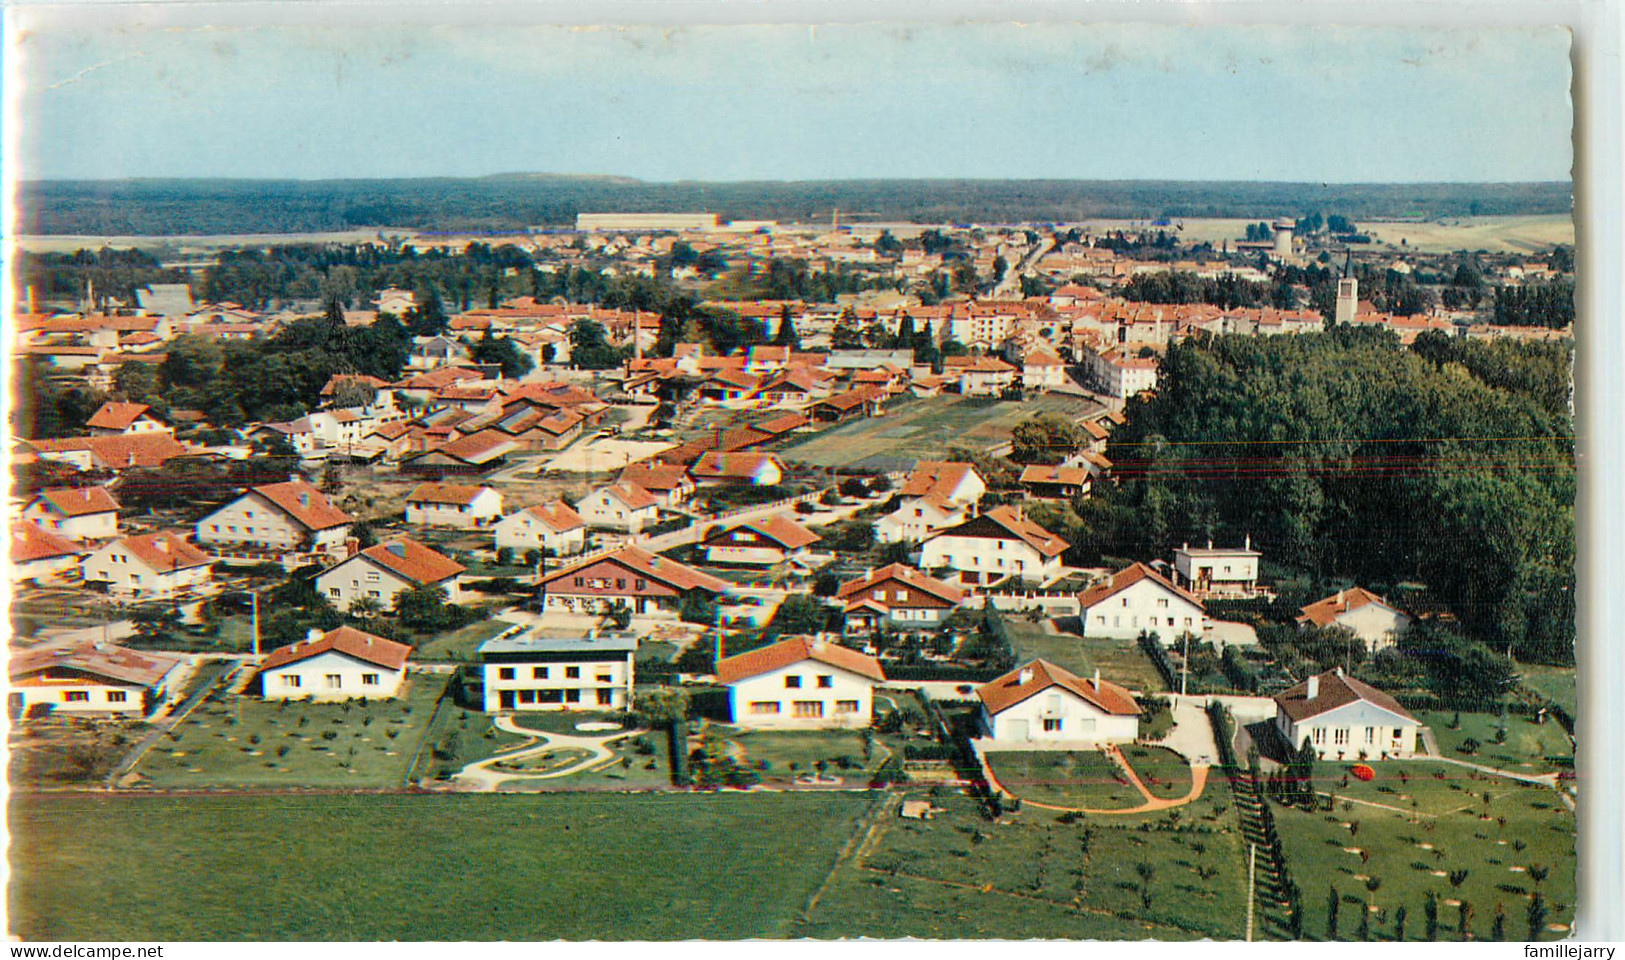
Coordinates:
[1192,735]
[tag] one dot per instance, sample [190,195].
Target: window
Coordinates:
[214,528]
[825,681]
[1320,736]
[372,576]
[880,594]
[640,584]
[606,698]
[572,673]
[620,583]
[1340,736]
[505,673]
[581,581]
[809,709]
[76,696]
[527,696]
[538,673]
[334,681]
[117,696]
[792,683]
[572,696]
[1052,725]
[290,680]
[846,706]
[764,707]
[369,679]
[374,593]
[1398,732]
[900,595]
[332,591]
[604,678]
[1162,601]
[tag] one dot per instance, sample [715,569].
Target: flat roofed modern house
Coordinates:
[1040,706]
[898,595]
[289,516]
[340,664]
[150,565]
[40,556]
[1344,718]
[801,683]
[528,672]
[550,527]
[90,678]
[1138,600]
[453,505]
[386,569]
[1368,616]
[1217,571]
[78,513]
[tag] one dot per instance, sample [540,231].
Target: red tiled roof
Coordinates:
[935,477]
[118,452]
[1125,578]
[1336,690]
[164,551]
[732,466]
[346,640]
[305,504]
[1005,692]
[1323,613]
[110,662]
[116,416]
[1030,533]
[454,493]
[631,496]
[754,663]
[656,477]
[782,530]
[902,573]
[651,566]
[558,515]
[29,542]
[413,560]
[78,501]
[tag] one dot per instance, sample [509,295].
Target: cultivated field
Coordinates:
[408,867]
[924,428]
[1120,661]
[1518,234]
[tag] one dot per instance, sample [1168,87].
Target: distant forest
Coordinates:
[516,202]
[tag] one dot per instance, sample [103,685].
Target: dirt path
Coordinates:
[1152,803]
[482,775]
[871,826]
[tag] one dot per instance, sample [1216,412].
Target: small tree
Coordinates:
[1399,923]
[1535,916]
[1464,920]
[1498,926]
[1333,902]
[1430,917]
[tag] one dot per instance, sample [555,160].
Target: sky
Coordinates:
[794,102]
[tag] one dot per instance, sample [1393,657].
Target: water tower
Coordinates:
[1284,229]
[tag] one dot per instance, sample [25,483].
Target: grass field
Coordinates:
[1042,874]
[1164,772]
[780,756]
[428,867]
[1410,854]
[1120,661]
[243,741]
[1529,748]
[459,645]
[1554,682]
[923,429]
[458,737]
[1083,778]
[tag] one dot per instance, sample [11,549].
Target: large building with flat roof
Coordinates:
[528,672]
[634,222]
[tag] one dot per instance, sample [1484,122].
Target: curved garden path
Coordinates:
[1151,805]
[482,775]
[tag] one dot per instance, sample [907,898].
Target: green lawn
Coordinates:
[243,741]
[1556,683]
[1529,748]
[1411,855]
[458,645]
[458,737]
[1083,778]
[1120,661]
[426,867]
[1164,772]
[779,756]
[1042,874]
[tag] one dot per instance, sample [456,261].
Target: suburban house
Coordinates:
[936,495]
[800,683]
[530,672]
[1138,600]
[290,516]
[548,527]
[384,570]
[40,556]
[1057,482]
[860,402]
[644,581]
[1040,706]
[758,469]
[1042,370]
[296,433]
[78,513]
[90,678]
[668,483]
[113,453]
[151,565]
[479,452]
[898,595]
[336,665]
[1370,617]
[1344,718]
[115,419]
[999,543]
[763,542]
[619,506]
[979,376]
[1217,571]
[453,505]
[947,480]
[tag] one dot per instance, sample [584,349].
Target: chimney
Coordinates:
[1248,543]
[312,635]
[352,546]
[1097,679]
[1312,691]
[1210,543]
[1025,676]
[161,544]
[1338,670]
[1340,598]
[1185,547]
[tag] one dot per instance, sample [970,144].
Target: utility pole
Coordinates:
[1185,664]
[254,616]
[1252,888]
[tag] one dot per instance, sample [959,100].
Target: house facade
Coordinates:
[997,544]
[40,556]
[382,571]
[278,516]
[1217,571]
[1368,616]
[453,505]
[1040,706]
[91,678]
[549,527]
[1345,719]
[1138,600]
[77,513]
[801,684]
[645,582]
[340,664]
[764,542]
[540,673]
[898,595]
[619,506]
[153,565]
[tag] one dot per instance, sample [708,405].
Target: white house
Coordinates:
[1120,376]
[759,469]
[1040,706]
[550,527]
[761,542]
[1217,571]
[1138,600]
[78,513]
[91,678]
[453,505]
[152,565]
[384,570]
[1344,718]
[1042,370]
[668,483]
[801,684]
[338,429]
[979,376]
[935,496]
[114,419]
[997,544]
[336,665]
[619,506]
[529,672]
[286,516]
[1369,616]
[40,556]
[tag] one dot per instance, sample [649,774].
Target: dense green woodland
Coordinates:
[498,203]
[1347,455]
